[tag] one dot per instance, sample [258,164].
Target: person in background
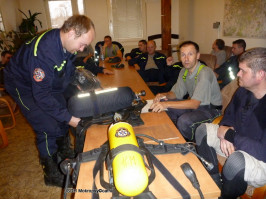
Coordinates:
[137,51]
[86,54]
[86,60]
[110,50]
[228,70]
[241,135]
[219,52]
[171,73]
[37,76]
[150,65]
[5,57]
[204,101]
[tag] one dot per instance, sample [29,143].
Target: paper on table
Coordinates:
[145,109]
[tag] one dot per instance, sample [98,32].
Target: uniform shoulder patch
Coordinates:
[38,74]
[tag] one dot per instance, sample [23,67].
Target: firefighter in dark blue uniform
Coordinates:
[36,78]
[150,65]
[137,51]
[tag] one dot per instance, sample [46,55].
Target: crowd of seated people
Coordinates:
[158,71]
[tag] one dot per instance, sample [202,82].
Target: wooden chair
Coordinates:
[209,59]
[7,111]
[228,51]
[3,136]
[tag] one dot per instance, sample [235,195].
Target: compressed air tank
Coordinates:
[129,171]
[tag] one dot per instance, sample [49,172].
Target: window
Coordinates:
[2,28]
[81,7]
[60,10]
[126,19]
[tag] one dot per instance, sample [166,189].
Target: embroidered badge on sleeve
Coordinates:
[38,74]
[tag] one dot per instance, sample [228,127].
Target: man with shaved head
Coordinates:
[150,65]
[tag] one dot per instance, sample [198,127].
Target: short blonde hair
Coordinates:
[79,23]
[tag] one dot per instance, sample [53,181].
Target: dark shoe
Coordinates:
[52,175]
[64,151]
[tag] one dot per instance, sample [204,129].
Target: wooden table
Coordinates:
[157,125]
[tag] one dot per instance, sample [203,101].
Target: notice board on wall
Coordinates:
[245,18]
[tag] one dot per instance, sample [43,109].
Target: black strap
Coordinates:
[97,167]
[169,177]
[96,109]
[125,147]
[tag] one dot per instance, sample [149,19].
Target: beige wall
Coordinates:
[191,19]
[196,23]
[10,14]
[35,6]
[97,11]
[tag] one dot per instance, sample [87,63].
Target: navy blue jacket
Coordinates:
[42,69]
[247,115]
[226,70]
[159,59]
[134,53]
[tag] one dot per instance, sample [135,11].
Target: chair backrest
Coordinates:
[98,50]
[157,36]
[209,59]
[227,93]
[228,51]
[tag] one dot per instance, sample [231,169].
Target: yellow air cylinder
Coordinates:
[129,172]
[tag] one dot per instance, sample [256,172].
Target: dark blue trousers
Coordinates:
[47,129]
[152,75]
[187,120]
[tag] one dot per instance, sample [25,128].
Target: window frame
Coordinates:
[4,28]
[74,5]
[144,23]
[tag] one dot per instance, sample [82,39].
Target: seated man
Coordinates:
[110,50]
[137,51]
[219,52]
[199,81]
[86,54]
[5,57]
[150,65]
[228,70]
[241,135]
[86,60]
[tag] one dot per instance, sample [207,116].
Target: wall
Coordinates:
[11,19]
[97,11]
[35,6]
[196,21]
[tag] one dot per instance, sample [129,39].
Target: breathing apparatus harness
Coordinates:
[107,154]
